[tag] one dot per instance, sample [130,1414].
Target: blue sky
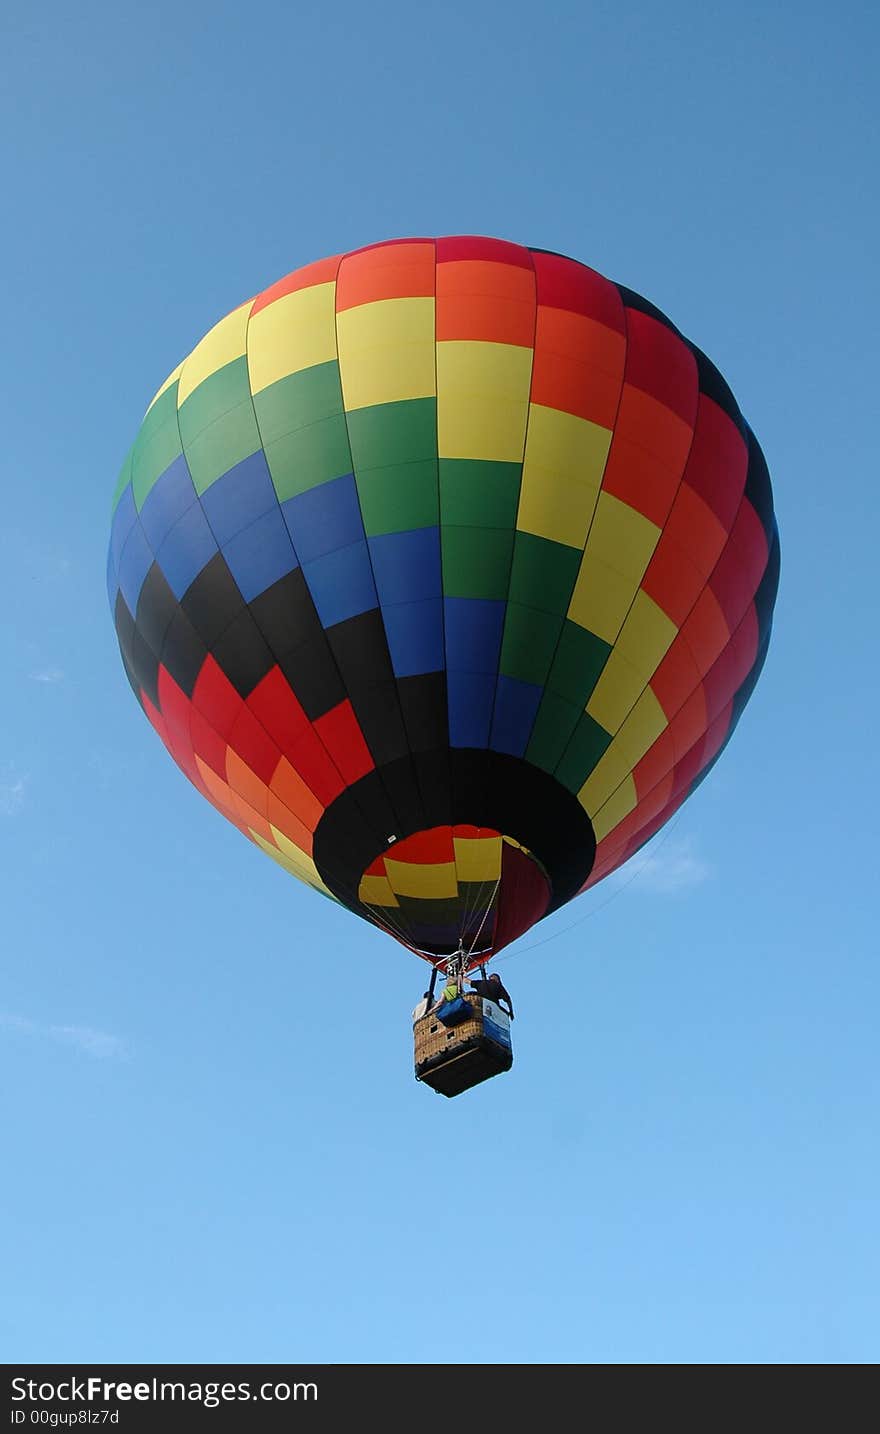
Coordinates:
[214,1146]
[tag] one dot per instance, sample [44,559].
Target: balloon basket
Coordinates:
[452,1059]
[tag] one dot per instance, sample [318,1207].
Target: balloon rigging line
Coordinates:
[391,929]
[594,911]
[485,914]
[397,932]
[471,911]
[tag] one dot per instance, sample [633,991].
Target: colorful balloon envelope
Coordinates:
[444,569]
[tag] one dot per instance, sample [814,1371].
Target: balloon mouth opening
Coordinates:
[455,888]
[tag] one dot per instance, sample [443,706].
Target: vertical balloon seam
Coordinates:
[736,418]
[139,690]
[518,496]
[680,795]
[442,614]
[253,715]
[557,645]
[473,901]
[582,566]
[382,923]
[751,677]
[368,820]
[684,637]
[659,318]
[175,385]
[678,798]
[245,831]
[201,786]
[122,481]
[381,838]
[190,708]
[404,726]
[464,907]
[440,545]
[640,580]
[465,911]
[331,759]
[498,885]
[591,523]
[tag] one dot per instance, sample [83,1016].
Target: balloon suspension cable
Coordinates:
[489,908]
[594,911]
[383,924]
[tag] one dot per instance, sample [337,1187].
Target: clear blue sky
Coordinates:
[214,1147]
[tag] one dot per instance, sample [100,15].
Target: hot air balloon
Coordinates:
[444,569]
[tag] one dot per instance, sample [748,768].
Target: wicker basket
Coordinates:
[452,1059]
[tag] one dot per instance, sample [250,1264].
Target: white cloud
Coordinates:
[12,789]
[47,674]
[99,1044]
[672,867]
